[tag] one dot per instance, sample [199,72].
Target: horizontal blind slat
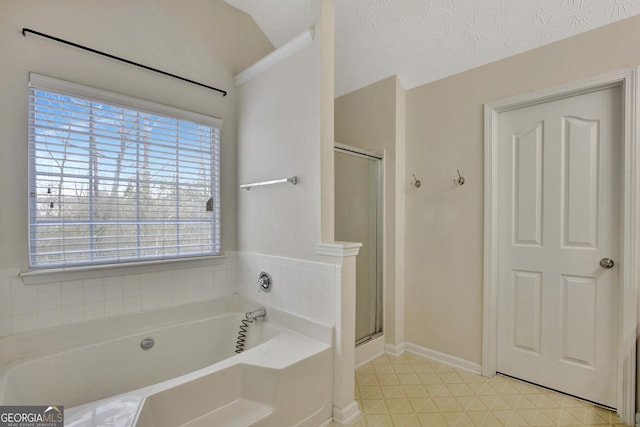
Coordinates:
[110,182]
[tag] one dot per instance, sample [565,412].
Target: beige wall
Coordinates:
[370,119]
[207,41]
[444,242]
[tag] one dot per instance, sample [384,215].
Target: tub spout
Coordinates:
[256,314]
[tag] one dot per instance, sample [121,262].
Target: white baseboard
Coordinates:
[395,350]
[365,353]
[447,359]
[346,415]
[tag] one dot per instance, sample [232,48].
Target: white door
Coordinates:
[558,217]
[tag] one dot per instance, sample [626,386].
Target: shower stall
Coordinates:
[358,218]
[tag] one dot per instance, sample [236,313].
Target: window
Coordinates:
[114,179]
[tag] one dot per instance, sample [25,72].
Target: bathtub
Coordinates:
[191,375]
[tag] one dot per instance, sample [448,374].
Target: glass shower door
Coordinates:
[358,207]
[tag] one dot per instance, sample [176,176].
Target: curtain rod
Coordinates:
[59,40]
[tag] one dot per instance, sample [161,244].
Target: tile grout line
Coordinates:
[390,368]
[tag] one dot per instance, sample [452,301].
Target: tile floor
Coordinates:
[409,390]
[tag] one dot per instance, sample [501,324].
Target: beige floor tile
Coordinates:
[423,368]
[378,420]
[367,379]
[460,389]
[388,379]
[502,416]
[384,369]
[429,378]
[437,390]
[495,403]
[423,406]
[405,420]
[373,406]
[403,368]
[409,378]
[471,403]
[431,420]
[399,406]
[448,404]
[366,369]
[370,392]
[392,391]
[415,390]
[411,391]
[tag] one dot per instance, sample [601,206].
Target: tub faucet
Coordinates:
[256,314]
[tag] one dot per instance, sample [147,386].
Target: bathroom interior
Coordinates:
[378,247]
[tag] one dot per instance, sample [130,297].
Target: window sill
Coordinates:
[38,277]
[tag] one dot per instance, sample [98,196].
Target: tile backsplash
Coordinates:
[304,288]
[300,287]
[26,308]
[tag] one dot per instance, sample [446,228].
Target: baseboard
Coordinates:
[346,415]
[637,419]
[447,359]
[368,351]
[394,349]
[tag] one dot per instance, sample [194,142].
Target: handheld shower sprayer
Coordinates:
[250,317]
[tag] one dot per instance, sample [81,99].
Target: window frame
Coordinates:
[45,83]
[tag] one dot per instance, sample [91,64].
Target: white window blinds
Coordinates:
[114,179]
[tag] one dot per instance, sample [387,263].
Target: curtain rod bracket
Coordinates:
[117,58]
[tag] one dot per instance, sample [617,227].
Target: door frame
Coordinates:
[627,80]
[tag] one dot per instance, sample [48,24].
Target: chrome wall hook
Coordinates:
[416,181]
[459,180]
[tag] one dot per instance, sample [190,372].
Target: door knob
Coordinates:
[606,263]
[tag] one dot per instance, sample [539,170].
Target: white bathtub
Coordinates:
[191,376]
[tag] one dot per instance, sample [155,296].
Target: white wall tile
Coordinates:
[5,287]
[72,295]
[18,288]
[301,287]
[113,289]
[49,300]
[49,318]
[131,305]
[94,310]
[72,314]
[93,293]
[131,287]
[93,282]
[148,302]
[5,307]
[25,322]
[24,304]
[6,325]
[113,307]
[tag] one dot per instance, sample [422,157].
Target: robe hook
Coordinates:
[416,181]
[459,180]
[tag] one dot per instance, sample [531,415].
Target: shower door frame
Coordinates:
[379,159]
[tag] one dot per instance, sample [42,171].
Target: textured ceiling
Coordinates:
[425,40]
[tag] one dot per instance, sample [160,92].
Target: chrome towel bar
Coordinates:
[293,180]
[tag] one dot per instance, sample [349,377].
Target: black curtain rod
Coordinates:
[27,30]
